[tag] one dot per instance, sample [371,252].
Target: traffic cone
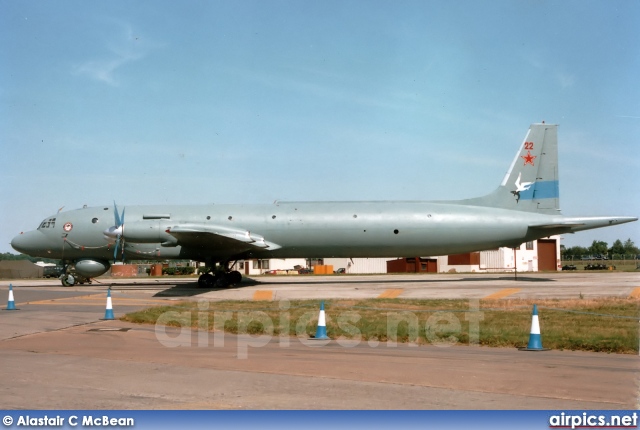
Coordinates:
[321,331]
[535,341]
[11,304]
[108,313]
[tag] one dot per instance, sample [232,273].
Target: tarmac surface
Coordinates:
[57,353]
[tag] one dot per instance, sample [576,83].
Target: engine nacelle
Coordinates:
[91,268]
[149,231]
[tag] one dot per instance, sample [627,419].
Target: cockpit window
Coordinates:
[48,223]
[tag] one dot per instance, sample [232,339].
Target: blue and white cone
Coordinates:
[321,331]
[535,341]
[108,313]
[11,304]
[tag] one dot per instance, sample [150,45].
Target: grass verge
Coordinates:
[603,325]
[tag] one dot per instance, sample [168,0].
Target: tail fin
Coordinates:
[531,183]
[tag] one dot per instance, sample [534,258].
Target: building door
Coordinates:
[547,255]
[432,265]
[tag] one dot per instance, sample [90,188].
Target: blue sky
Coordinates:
[165,102]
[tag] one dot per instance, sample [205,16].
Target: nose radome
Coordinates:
[19,243]
[28,242]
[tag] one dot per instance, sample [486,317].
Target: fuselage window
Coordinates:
[95,220]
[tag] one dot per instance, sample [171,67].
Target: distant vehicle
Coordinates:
[305,271]
[569,267]
[596,267]
[341,270]
[52,271]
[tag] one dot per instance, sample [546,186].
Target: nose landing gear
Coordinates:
[70,277]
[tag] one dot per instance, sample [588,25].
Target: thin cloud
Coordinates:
[123,50]
[340,92]
[595,152]
[564,79]
[104,70]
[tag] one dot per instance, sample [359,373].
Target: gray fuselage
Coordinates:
[301,229]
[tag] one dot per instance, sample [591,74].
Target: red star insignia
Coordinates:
[528,159]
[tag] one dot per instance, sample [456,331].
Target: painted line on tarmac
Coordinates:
[99,299]
[503,293]
[102,303]
[263,295]
[66,299]
[635,294]
[391,294]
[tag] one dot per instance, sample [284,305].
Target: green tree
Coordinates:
[579,251]
[599,247]
[10,256]
[574,252]
[630,248]
[617,248]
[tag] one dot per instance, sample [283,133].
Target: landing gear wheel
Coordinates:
[226,280]
[206,280]
[235,277]
[68,280]
[221,280]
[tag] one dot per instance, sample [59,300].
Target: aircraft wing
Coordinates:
[218,237]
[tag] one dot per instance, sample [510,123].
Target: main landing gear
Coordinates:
[219,279]
[224,277]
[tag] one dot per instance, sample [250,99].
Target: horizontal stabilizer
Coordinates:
[570,225]
[558,225]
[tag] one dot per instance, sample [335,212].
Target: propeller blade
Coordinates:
[117,216]
[115,248]
[119,228]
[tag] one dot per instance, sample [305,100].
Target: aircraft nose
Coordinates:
[28,242]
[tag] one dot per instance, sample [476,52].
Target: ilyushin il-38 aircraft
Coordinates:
[524,207]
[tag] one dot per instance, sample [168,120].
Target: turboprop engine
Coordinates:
[152,229]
